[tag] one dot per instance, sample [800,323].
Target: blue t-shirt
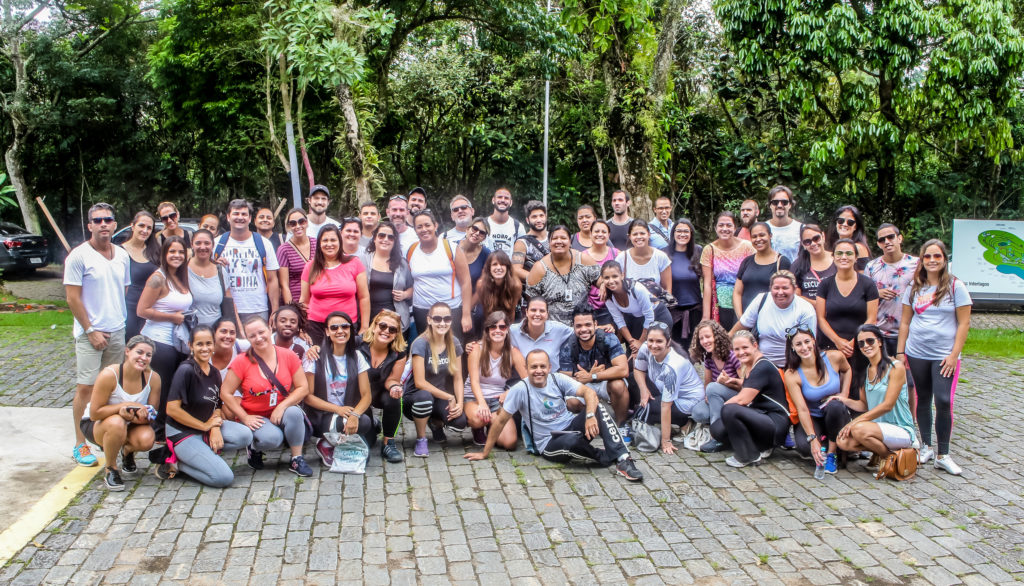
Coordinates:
[543,410]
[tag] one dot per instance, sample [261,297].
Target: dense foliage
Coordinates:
[908,109]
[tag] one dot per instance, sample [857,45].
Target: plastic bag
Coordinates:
[350,451]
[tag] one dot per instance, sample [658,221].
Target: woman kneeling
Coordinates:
[494,364]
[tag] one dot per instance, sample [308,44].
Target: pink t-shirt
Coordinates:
[334,290]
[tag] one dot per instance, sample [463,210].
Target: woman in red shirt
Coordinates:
[333,281]
[271,386]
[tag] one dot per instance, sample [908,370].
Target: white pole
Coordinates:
[294,164]
[547,107]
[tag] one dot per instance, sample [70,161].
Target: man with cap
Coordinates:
[417,200]
[319,199]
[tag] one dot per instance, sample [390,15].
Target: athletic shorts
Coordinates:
[87,426]
[895,437]
[493,404]
[89,361]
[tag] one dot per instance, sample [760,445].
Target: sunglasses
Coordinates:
[886,238]
[342,326]
[935,256]
[842,253]
[779,202]
[797,329]
[299,222]
[866,342]
[441,319]
[103,220]
[399,197]
[812,240]
[476,230]
[170,216]
[846,221]
[461,208]
[386,329]
[659,325]
[499,327]
[385,236]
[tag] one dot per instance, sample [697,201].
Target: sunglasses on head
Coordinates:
[385,328]
[298,222]
[170,216]
[102,220]
[399,197]
[798,329]
[779,202]
[812,240]
[460,208]
[866,342]
[341,326]
[886,238]
[846,221]
[441,319]
[385,236]
[499,327]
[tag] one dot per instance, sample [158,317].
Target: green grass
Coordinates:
[57,302]
[38,319]
[1001,343]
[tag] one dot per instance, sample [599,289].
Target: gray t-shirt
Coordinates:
[933,325]
[547,405]
[773,322]
[441,378]
[207,295]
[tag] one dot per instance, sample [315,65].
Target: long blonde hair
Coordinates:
[921,275]
[449,340]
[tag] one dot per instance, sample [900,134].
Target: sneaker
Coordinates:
[128,465]
[680,437]
[439,435]
[711,446]
[626,433]
[831,467]
[300,467]
[480,436]
[113,480]
[946,463]
[627,468]
[83,455]
[421,451]
[925,454]
[732,461]
[767,454]
[165,471]
[255,460]
[390,452]
[326,452]
[788,444]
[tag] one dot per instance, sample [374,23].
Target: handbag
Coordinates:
[899,465]
[227,304]
[698,436]
[646,437]
[350,450]
[181,336]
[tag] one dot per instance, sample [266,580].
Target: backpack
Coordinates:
[574,349]
[222,242]
[447,250]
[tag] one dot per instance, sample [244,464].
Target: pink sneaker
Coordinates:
[480,436]
[326,452]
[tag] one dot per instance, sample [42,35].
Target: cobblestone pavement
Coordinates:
[516,518]
[44,284]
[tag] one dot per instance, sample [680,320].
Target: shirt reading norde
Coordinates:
[549,412]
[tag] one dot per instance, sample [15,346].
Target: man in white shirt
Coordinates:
[462,214]
[504,229]
[95,276]
[398,210]
[661,226]
[369,217]
[618,225]
[785,230]
[319,200]
[251,265]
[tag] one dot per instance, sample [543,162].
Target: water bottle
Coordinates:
[819,469]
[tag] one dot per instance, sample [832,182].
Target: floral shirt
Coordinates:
[897,276]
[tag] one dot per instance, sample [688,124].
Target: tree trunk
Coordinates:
[28,207]
[20,131]
[600,180]
[354,144]
[886,181]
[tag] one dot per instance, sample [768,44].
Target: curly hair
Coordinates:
[723,345]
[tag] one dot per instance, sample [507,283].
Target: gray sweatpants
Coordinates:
[196,459]
[711,411]
[292,430]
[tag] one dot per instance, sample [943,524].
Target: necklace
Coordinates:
[568,273]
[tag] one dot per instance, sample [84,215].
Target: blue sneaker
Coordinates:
[788,444]
[830,464]
[300,467]
[83,455]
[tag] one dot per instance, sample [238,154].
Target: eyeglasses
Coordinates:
[812,240]
[842,253]
[499,327]
[103,220]
[476,230]
[886,238]
[441,319]
[386,329]
[342,326]
[935,256]
[779,202]
[299,222]
[170,216]
[460,208]
[847,221]
[867,342]
[385,236]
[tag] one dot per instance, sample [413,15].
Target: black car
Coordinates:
[27,251]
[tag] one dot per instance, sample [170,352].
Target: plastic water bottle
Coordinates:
[819,469]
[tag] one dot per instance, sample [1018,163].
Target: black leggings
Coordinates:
[165,361]
[321,422]
[420,404]
[575,446]
[727,317]
[749,431]
[690,315]
[635,323]
[654,412]
[391,411]
[931,384]
[834,417]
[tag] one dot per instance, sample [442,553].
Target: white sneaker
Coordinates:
[946,463]
[925,454]
[766,454]
[732,461]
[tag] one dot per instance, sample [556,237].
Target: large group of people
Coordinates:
[774,334]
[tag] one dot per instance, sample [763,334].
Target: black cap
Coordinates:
[418,190]
[317,188]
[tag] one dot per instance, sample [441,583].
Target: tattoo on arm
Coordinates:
[156,281]
[518,258]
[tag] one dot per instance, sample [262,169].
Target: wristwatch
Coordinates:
[90,330]
[590,415]
[593,377]
[811,437]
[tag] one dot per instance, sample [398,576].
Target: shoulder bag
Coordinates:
[899,465]
[646,437]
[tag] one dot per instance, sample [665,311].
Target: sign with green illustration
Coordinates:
[988,255]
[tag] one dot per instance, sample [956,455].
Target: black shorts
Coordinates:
[87,425]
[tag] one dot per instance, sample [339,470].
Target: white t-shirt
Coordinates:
[313,230]
[638,303]
[933,325]
[503,236]
[433,278]
[786,240]
[103,282]
[675,378]
[245,273]
[407,239]
[337,386]
[454,236]
[651,270]
[773,322]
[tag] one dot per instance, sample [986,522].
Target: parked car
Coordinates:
[27,251]
[190,225]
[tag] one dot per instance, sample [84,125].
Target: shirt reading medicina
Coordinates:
[543,409]
[245,273]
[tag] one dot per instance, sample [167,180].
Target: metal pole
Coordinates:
[293,164]
[547,107]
